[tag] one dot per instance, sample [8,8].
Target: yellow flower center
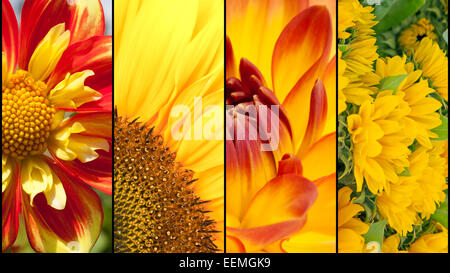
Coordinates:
[26,116]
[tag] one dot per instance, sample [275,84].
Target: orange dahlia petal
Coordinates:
[9,35]
[11,199]
[75,228]
[84,19]
[93,54]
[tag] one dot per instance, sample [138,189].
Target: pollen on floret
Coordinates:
[155,207]
[26,116]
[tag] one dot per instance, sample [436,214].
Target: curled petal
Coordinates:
[11,200]
[290,164]
[72,93]
[10,36]
[80,137]
[73,229]
[93,54]
[36,177]
[83,19]
[230,62]
[104,104]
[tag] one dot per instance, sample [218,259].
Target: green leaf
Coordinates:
[374,237]
[399,10]
[405,172]
[445,35]
[391,82]
[441,130]
[441,214]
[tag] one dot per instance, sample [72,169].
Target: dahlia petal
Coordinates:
[305,41]
[72,93]
[48,52]
[83,19]
[254,26]
[80,136]
[230,61]
[233,182]
[329,81]
[310,242]
[4,69]
[7,171]
[93,54]
[284,198]
[10,36]
[104,104]
[290,164]
[234,245]
[323,151]
[37,177]
[258,237]
[96,173]
[317,117]
[322,214]
[11,207]
[73,229]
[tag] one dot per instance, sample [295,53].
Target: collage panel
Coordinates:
[56,126]
[393,126]
[280,126]
[168,126]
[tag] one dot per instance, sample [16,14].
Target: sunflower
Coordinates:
[410,38]
[434,64]
[168,170]
[380,144]
[277,55]
[428,167]
[350,228]
[358,50]
[390,244]
[56,120]
[432,243]
[342,83]
[396,205]
[413,90]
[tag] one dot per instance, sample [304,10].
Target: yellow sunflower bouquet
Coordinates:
[392,133]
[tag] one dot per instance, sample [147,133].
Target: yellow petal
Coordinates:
[310,242]
[6,171]
[71,92]
[37,177]
[4,68]
[67,144]
[48,52]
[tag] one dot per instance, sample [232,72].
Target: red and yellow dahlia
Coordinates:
[281,199]
[56,121]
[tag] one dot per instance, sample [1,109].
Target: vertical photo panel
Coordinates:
[280,126]
[56,126]
[393,126]
[168,126]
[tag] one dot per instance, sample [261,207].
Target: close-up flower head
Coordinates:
[56,123]
[168,126]
[281,84]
